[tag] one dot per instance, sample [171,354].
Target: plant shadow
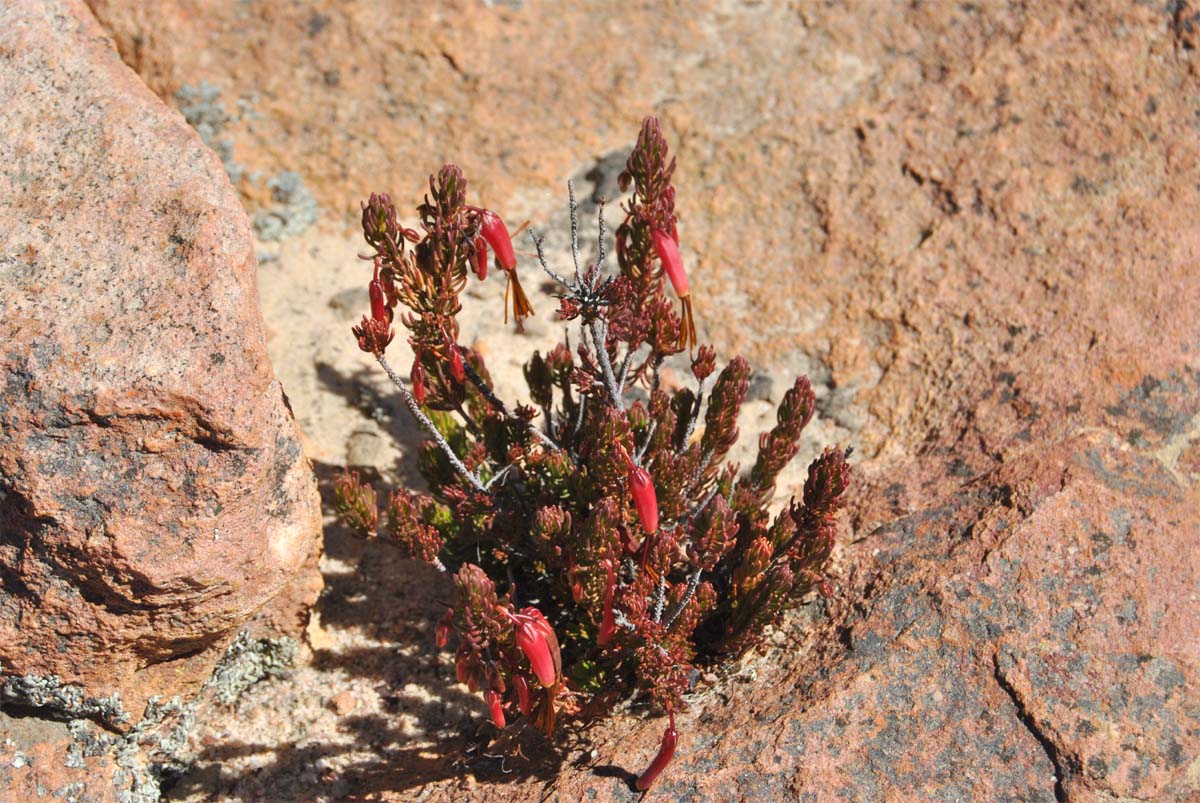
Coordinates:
[381,610]
[360,390]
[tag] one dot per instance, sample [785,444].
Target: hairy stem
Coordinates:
[693,582]
[660,597]
[610,379]
[574,230]
[600,243]
[695,414]
[424,421]
[541,255]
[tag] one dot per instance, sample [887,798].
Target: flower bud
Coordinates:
[479,258]
[375,291]
[576,584]
[524,703]
[665,752]
[456,364]
[608,626]
[378,308]
[417,378]
[495,708]
[441,634]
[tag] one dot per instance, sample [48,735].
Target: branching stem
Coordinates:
[424,421]
[660,597]
[610,379]
[574,230]
[693,583]
[494,400]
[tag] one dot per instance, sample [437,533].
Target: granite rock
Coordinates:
[153,494]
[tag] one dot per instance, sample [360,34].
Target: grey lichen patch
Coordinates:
[159,747]
[203,110]
[249,660]
[72,792]
[62,699]
[295,209]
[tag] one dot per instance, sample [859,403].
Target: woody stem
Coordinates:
[610,379]
[574,230]
[424,421]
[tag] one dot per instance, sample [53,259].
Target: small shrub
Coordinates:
[599,546]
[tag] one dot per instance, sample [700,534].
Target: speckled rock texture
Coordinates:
[38,761]
[153,494]
[975,225]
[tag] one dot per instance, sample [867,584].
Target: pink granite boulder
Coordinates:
[153,493]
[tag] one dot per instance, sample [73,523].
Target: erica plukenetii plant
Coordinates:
[600,546]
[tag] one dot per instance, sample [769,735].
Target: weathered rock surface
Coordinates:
[40,761]
[976,226]
[153,494]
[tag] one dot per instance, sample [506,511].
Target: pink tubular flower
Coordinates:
[667,246]
[668,251]
[495,708]
[665,751]
[536,639]
[641,487]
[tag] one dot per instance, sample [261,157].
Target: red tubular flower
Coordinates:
[536,639]
[479,258]
[417,378]
[456,364]
[608,625]
[441,634]
[375,290]
[641,486]
[522,687]
[667,246]
[495,708]
[665,751]
[496,234]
